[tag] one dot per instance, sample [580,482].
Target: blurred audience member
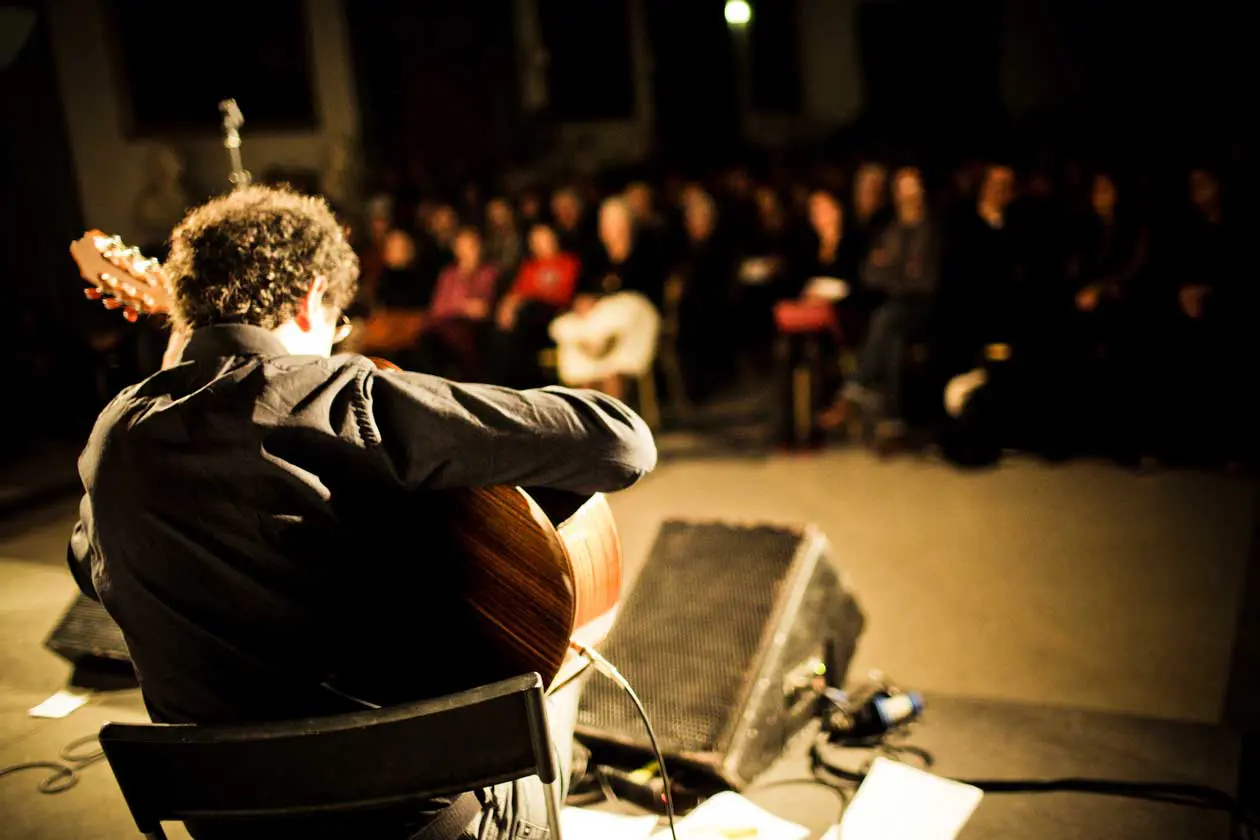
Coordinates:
[403,293]
[870,205]
[569,217]
[903,269]
[544,287]
[454,331]
[1112,379]
[705,278]
[761,274]
[612,330]
[828,269]
[529,207]
[978,301]
[1210,334]
[503,238]
[439,241]
[642,203]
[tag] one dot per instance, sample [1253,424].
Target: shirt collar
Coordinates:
[223,340]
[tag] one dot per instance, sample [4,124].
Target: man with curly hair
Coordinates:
[254,517]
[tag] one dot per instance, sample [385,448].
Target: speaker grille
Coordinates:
[86,630]
[688,631]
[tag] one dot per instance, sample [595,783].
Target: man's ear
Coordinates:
[311,302]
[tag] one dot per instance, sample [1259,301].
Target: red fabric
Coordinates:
[455,288]
[805,316]
[552,280]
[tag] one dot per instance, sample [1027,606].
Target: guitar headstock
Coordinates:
[121,277]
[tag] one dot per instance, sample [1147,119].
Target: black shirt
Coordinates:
[641,271]
[255,522]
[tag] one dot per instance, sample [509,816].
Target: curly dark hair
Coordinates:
[249,257]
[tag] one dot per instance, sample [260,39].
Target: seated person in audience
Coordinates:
[1110,262]
[612,329]
[649,225]
[1211,325]
[569,218]
[982,337]
[436,242]
[544,287]
[705,276]
[977,304]
[762,272]
[828,268]
[903,269]
[396,312]
[823,281]
[871,213]
[503,238]
[455,329]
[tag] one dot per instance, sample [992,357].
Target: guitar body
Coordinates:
[535,578]
[537,571]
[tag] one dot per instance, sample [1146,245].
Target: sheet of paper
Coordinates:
[826,288]
[582,822]
[899,802]
[729,816]
[60,704]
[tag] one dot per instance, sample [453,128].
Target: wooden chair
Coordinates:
[810,319]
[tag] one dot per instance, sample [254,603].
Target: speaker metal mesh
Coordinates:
[688,631]
[86,630]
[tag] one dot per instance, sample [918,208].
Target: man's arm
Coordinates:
[80,552]
[439,434]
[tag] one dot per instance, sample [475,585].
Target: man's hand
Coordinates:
[1087,298]
[1191,299]
[506,317]
[476,309]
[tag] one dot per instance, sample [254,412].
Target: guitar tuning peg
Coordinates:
[109,280]
[131,314]
[92,293]
[128,289]
[149,301]
[112,303]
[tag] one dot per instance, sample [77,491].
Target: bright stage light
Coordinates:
[738,12]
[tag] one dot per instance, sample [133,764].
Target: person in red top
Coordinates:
[451,341]
[544,287]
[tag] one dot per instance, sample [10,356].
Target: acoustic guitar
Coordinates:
[539,571]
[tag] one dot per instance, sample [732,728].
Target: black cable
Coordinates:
[840,793]
[606,668]
[65,773]
[1198,796]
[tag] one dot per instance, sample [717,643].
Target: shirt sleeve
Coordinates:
[79,553]
[439,434]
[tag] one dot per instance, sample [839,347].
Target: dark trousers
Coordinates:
[452,348]
[882,360]
[513,354]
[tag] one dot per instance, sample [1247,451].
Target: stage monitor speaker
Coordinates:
[16,25]
[728,637]
[90,640]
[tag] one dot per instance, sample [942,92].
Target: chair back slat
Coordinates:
[341,763]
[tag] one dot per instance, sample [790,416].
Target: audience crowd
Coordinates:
[1061,311]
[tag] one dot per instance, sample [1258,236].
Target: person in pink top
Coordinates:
[459,315]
